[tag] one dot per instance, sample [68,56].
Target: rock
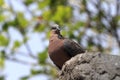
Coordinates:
[91,66]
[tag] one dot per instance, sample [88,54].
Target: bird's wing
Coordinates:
[72,48]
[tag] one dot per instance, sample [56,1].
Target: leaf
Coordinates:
[25,39]
[47,15]
[2,59]
[34,72]
[71,35]
[3,41]
[63,14]
[79,24]
[22,21]
[40,28]
[42,57]
[2,77]
[2,18]
[48,35]
[6,25]
[43,4]
[16,44]
[28,2]
[1,2]
[25,78]
[1,62]
[53,71]
[84,2]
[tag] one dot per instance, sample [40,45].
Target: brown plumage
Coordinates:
[61,49]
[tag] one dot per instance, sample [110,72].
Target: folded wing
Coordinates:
[72,48]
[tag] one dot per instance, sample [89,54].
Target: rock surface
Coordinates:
[91,66]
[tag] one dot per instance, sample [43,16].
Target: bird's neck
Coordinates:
[54,35]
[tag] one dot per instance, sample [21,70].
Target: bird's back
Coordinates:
[72,48]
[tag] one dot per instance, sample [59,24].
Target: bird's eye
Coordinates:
[53,28]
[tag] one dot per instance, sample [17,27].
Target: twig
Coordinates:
[22,54]
[27,9]
[21,61]
[30,51]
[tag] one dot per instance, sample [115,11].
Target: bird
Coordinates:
[62,49]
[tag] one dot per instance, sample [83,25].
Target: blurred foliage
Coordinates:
[2,59]
[42,57]
[16,45]
[95,24]
[3,40]
[2,78]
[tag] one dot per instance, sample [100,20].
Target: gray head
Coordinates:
[55,27]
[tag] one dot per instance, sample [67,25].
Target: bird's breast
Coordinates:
[55,46]
[57,53]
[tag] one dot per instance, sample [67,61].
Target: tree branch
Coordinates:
[20,61]
[30,51]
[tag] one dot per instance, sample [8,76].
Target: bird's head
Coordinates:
[55,28]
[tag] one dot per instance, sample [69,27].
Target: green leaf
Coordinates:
[1,62]
[53,71]
[40,28]
[79,24]
[2,18]
[1,2]
[22,21]
[25,39]
[28,2]
[63,14]
[34,72]
[2,77]
[48,35]
[84,2]
[46,15]
[25,78]
[16,44]
[42,57]
[2,59]
[43,4]
[3,41]
[6,25]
